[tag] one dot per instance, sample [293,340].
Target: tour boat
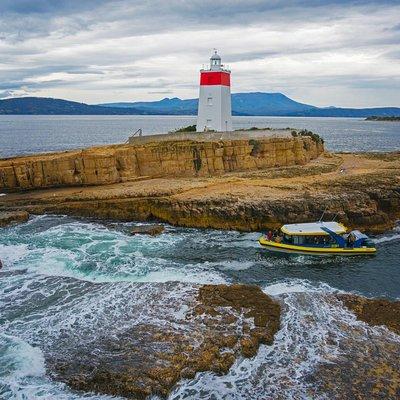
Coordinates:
[319,238]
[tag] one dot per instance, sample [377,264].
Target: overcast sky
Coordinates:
[343,53]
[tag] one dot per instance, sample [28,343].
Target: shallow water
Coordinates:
[69,281]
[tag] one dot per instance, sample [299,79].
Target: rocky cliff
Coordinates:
[121,163]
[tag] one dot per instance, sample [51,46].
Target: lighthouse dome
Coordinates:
[215,56]
[215,62]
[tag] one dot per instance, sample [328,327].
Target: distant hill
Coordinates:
[174,106]
[259,104]
[256,103]
[349,112]
[49,106]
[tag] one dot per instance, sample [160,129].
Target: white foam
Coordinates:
[297,286]
[11,254]
[90,252]
[21,359]
[393,235]
[23,375]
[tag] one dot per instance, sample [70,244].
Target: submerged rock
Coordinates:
[12,217]
[262,309]
[151,230]
[218,324]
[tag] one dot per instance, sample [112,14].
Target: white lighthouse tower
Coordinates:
[214,111]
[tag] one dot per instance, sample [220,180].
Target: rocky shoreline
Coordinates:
[361,190]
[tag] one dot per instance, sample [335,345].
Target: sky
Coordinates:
[324,53]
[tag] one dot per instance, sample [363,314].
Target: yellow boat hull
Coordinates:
[319,251]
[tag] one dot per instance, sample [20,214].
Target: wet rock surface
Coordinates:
[367,363]
[374,311]
[152,230]
[13,217]
[213,326]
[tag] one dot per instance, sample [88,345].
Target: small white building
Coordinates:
[215,111]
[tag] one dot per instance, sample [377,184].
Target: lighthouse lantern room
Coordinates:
[214,112]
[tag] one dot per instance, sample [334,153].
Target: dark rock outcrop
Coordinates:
[152,230]
[374,311]
[13,217]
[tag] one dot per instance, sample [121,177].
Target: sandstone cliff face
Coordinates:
[121,163]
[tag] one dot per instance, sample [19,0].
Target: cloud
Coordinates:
[103,50]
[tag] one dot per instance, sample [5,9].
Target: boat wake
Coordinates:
[393,236]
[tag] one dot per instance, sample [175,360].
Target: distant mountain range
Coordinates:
[256,103]
[49,106]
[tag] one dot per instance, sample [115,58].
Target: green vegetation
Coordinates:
[190,128]
[253,128]
[256,147]
[304,132]
[376,118]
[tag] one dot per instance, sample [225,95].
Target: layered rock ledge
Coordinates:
[150,159]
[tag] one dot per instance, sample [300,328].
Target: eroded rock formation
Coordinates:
[121,163]
[361,190]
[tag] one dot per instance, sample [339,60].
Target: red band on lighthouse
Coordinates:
[215,78]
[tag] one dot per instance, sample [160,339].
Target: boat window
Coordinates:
[288,239]
[298,239]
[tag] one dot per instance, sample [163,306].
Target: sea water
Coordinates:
[29,134]
[68,280]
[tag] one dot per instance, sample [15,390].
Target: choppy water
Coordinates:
[27,134]
[68,281]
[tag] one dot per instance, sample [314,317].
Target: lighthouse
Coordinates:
[214,112]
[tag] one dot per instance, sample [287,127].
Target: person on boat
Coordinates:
[351,239]
[269,235]
[278,239]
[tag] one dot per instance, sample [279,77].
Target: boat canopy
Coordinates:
[313,228]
